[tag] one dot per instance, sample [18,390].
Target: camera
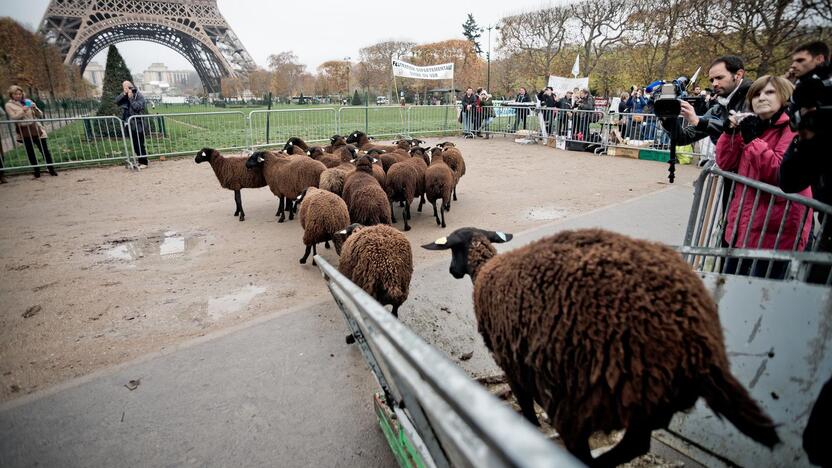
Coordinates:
[667,103]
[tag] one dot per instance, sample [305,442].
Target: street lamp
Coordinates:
[488,55]
[349,66]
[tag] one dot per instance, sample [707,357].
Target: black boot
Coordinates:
[37,173]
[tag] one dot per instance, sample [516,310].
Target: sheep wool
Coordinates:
[232,174]
[380,261]
[321,215]
[439,183]
[605,332]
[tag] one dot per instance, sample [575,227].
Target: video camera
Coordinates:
[667,103]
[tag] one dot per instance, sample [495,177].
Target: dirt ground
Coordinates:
[103,265]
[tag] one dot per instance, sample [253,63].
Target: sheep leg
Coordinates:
[636,442]
[314,252]
[421,202]
[281,210]
[525,401]
[454,192]
[392,213]
[406,216]
[396,311]
[306,255]
[442,211]
[291,206]
[435,214]
[577,444]
[279,206]
[239,202]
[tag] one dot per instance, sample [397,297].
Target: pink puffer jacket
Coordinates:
[761,160]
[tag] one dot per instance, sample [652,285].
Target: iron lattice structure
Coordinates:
[194,28]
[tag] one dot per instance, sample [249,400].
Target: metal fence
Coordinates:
[384,121]
[787,237]
[70,141]
[446,418]
[157,135]
[433,120]
[274,127]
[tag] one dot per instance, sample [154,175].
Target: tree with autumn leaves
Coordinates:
[28,61]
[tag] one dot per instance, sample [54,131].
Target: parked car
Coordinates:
[382,100]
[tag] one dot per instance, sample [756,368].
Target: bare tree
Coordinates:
[657,26]
[600,25]
[378,58]
[536,36]
[287,73]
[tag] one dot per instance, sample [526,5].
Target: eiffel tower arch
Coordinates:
[194,28]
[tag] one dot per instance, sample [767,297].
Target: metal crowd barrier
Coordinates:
[433,120]
[378,121]
[440,417]
[70,141]
[177,134]
[714,243]
[274,127]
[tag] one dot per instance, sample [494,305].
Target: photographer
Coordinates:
[522,113]
[807,161]
[727,76]
[548,103]
[132,103]
[30,133]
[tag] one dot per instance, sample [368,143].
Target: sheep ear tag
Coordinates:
[203,154]
[502,236]
[343,232]
[260,159]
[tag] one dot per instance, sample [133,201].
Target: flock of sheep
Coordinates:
[605,332]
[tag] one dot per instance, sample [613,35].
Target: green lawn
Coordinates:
[172,131]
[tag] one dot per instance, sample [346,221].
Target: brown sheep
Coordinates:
[335,142]
[287,176]
[605,332]
[332,179]
[295,145]
[379,260]
[453,157]
[402,184]
[329,160]
[322,214]
[362,141]
[369,205]
[232,174]
[439,183]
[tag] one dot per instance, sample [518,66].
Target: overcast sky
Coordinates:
[316,31]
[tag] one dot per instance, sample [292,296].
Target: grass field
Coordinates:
[182,129]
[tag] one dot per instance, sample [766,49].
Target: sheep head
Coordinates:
[470,249]
[315,152]
[256,159]
[205,154]
[340,237]
[356,136]
[416,142]
[446,144]
[374,152]
[336,139]
[364,163]
[418,151]
[292,142]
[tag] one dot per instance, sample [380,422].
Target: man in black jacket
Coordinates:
[132,103]
[469,106]
[522,112]
[807,161]
[727,77]
[547,102]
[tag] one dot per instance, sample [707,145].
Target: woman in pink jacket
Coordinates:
[754,148]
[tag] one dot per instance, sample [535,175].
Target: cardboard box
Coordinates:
[620,152]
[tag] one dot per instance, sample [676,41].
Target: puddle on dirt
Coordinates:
[545,214]
[231,303]
[170,244]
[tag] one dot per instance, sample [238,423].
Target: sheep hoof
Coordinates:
[443,225]
[242,217]
[407,228]
[437,222]
[350,339]
[281,219]
[454,197]
[303,261]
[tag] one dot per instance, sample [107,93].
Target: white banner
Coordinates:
[562,84]
[431,72]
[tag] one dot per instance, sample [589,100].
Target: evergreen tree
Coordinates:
[472,32]
[356,99]
[115,73]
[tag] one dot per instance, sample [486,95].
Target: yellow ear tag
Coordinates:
[441,241]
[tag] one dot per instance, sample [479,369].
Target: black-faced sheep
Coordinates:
[287,176]
[379,260]
[453,157]
[439,183]
[605,332]
[362,141]
[329,160]
[403,183]
[232,174]
[322,214]
[295,145]
[335,142]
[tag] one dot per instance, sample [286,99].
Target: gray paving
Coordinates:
[284,391]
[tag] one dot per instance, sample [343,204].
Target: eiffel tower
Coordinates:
[194,28]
